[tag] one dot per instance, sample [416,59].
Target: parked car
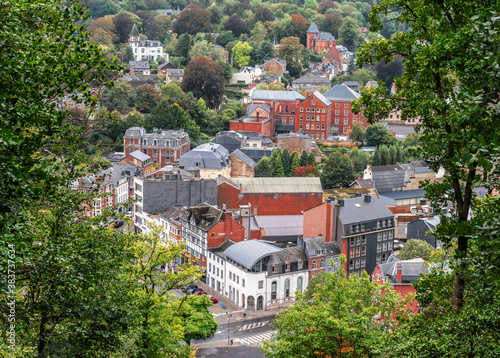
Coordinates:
[199,293]
[188,286]
[117,224]
[213,299]
[193,290]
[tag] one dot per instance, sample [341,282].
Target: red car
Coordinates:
[213,299]
[199,292]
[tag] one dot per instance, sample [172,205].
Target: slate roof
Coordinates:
[325,36]
[279,60]
[389,198]
[248,253]
[279,185]
[357,210]
[175,72]
[365,183]
[135,132]
[281,225]
[313,28]
[388,177]
[140,156]
[253,107]
[257,153]
[206,156]
[411,269]
[290,254]
[312,79]
[139,65]
[203,215]
[149,43]
[373,83]
[322,98]
[167,65]
[267,95]
[341,93]
[134,32]
[244,158]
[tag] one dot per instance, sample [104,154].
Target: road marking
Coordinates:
[257,339]
[224,313]
[253,325]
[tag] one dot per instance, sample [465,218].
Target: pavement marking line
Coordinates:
[253,325]
[256,339]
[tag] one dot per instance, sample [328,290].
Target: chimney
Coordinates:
[368,198]
[258,116]
[341,202]
[399,274]
[227,224]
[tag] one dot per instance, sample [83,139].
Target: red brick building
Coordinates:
[318,41]
[259,118]
[342,116]
[276,65]
[282,104]
[318,220]
[314,116]
[270,196]
[241,165]
[163,146]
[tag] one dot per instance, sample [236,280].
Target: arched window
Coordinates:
[287,288]
[154,142]
[299,284]
[286,108]
[144,142]
[274,289]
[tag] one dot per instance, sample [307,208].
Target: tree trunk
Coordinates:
[42,332]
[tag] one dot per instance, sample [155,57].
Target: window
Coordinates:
[314,264]
[346,105]
[363,262]
[209,267]
[337,112]
[155,152]
[379,247]
[307,117]
[317,118]
[243,282]
[300,125]
[322,263]
[379,259]
[336,120]
[313,103]
[217,271]
[363,251]
[274,288]
[357,251]
[313,126]
[230,275]
[275,268]
[301,117]
[300,264]
[323,126]
[346,121]
[301,109]
[312,110]
[286,108]
[351,264]
[337,105]
[345,130]
[261,284]
[299,284]
[322,135]
[323,110]
[351,253]
[307,125]
[287,288]
[307,109]
[237,279]
[384,246]
[287,266]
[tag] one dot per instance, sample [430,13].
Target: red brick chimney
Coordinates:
[227,224]
[399,274]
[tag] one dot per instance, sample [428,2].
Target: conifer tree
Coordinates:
[312,159]
[295,162]
[286,161]
[376,158]
[278,166]
[304,158]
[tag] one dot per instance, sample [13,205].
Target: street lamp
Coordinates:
[229,314]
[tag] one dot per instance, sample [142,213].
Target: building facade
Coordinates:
[343,118]
[314,116]
[145,50]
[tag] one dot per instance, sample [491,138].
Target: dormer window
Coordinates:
[131,134]
[275,268]
[300,264]
[287,266]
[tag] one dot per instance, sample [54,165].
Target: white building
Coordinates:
[145,50]
[257,275]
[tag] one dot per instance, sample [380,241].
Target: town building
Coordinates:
[401,274]
[242,166]
[270,196]
[310,80]
[364,231]
[275,65]
[258,118]
[175,75]
[141,160]
[314,116]
[257,275]
[295,142]
[342,116]
[224,54]
[282,104]
[139,67]
[247,75]
[318,41]
[319,254]
[163,146]
[335,58]
[162,68]
[209,159]
[145,50]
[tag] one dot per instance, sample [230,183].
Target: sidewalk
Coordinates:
[238,313]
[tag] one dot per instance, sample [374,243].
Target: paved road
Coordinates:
[249,332]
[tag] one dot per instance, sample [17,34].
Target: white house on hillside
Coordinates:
[145,50]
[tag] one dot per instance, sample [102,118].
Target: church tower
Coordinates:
[134,35]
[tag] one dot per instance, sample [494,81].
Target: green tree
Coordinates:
[376,135]
[393,154]
[451,90]
[277,164]
[172,116]
[119,97]
[304,158]
[338,171]
[332,24]
[264,168]
[101,8]
[351,66]
[192,20]
[146,97]
[294,163]
[312,159]
[411,140]
[357,134]
[286,161]
[183,47]
[384,154]
[359,160]
[376,158]
[342,317]
[173,92]
[241,52]
[416,248]
[291,51]
[264,52]
[129,54]
[311,4]
[349,34]
[202,48]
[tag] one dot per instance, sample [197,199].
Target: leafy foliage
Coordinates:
[192,20]
[264,168]
[338,171]
[416,248]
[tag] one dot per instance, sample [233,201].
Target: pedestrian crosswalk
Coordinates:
[257,339]
[253,325]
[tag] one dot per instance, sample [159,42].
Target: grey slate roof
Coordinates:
[140,156]
[325,36]
[357,210]
[230,140]
[257,153]
[248,253]
[139,65]
[279,60]
[313,79]
[322,98]
[167,65]
[341,93]
[267,95]
[253,107]
[244,158]
[204,216]
[313,28]
[390,197]
[175,72]
[206,156]
[290,254]
[281,225]
[134,32]
[388,177]
[411,269]
[279,185]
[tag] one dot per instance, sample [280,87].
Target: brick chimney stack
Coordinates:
[399,275]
